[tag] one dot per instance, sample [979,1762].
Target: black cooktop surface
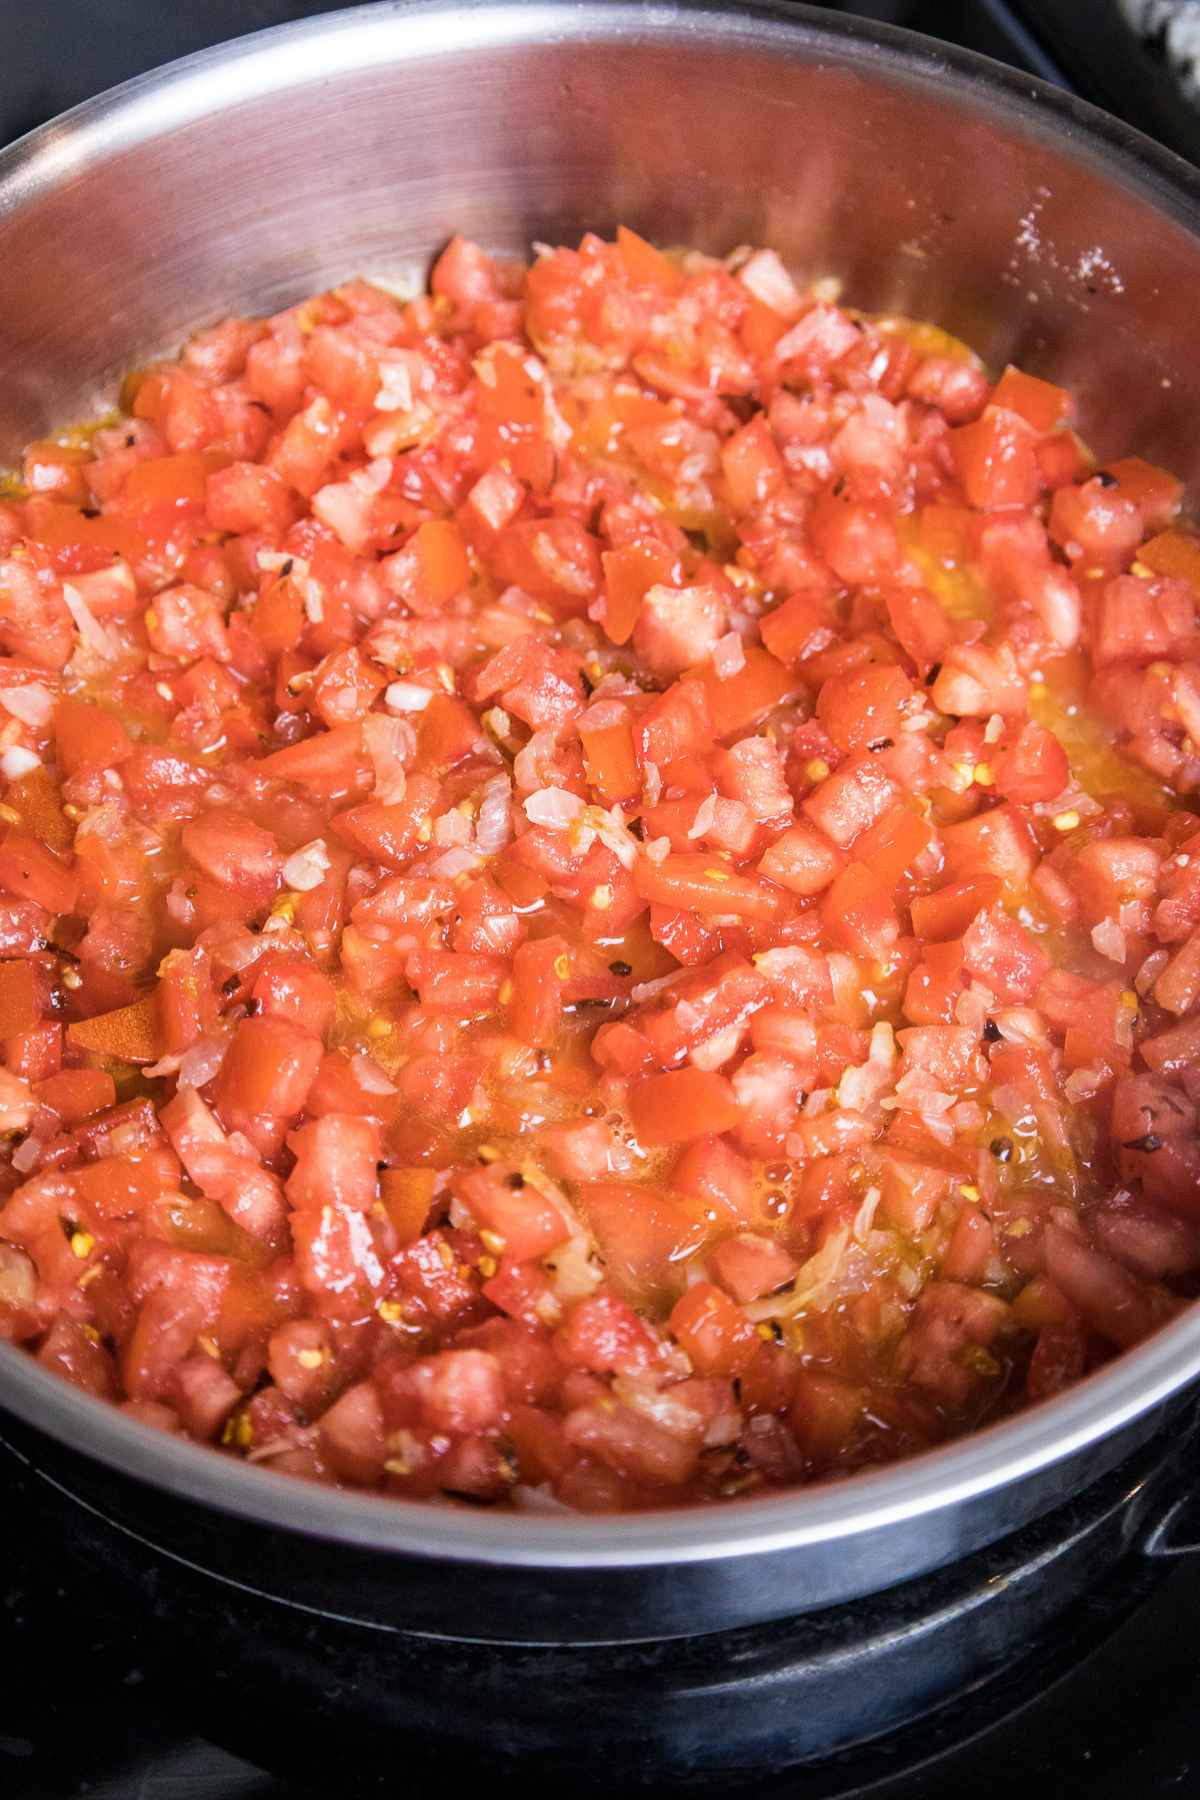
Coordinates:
[1106,1707]
[1101,1705]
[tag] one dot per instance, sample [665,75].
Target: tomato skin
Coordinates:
[1155,492]
[1038,402]
[708,885]
[77,1094]
[947,912]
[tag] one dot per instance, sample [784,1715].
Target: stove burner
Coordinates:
[935,1663]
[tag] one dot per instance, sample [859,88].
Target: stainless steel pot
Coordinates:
[934,183]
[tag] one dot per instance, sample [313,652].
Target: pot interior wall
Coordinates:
[244,183]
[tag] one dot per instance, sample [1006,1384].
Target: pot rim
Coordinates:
[319,49]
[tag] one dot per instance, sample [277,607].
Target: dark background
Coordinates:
[54,53]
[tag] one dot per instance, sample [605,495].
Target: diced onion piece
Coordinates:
[92,634]
[452,828]
[369,1076]
[406,697]
[24,1158]
[307,867]
[815,1283]
[32,704]
[728,656]
[493,827]
[455,862]
[16,761]
[201,1061]
[706,812]
[1109,940]
[554,807]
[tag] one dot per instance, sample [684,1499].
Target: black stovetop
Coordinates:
[1100,1705]
[1105,1707]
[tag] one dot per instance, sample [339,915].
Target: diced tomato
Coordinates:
[1033,767]
[88,737]
[1003,955]
[996,459]
[28,871]
[1038,402]
[750,1265]
[605,1335]
[1109,1299]
[715,1334]
[950,1321]
[997,843]
[802,860]
[512,1209]
[846,803]
[537,983]
[632,1444]
[265,1078]
[683,1104]
[864,708]
[1155,492]
[857,540]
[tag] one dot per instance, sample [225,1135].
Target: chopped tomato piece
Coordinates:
[683,1104]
